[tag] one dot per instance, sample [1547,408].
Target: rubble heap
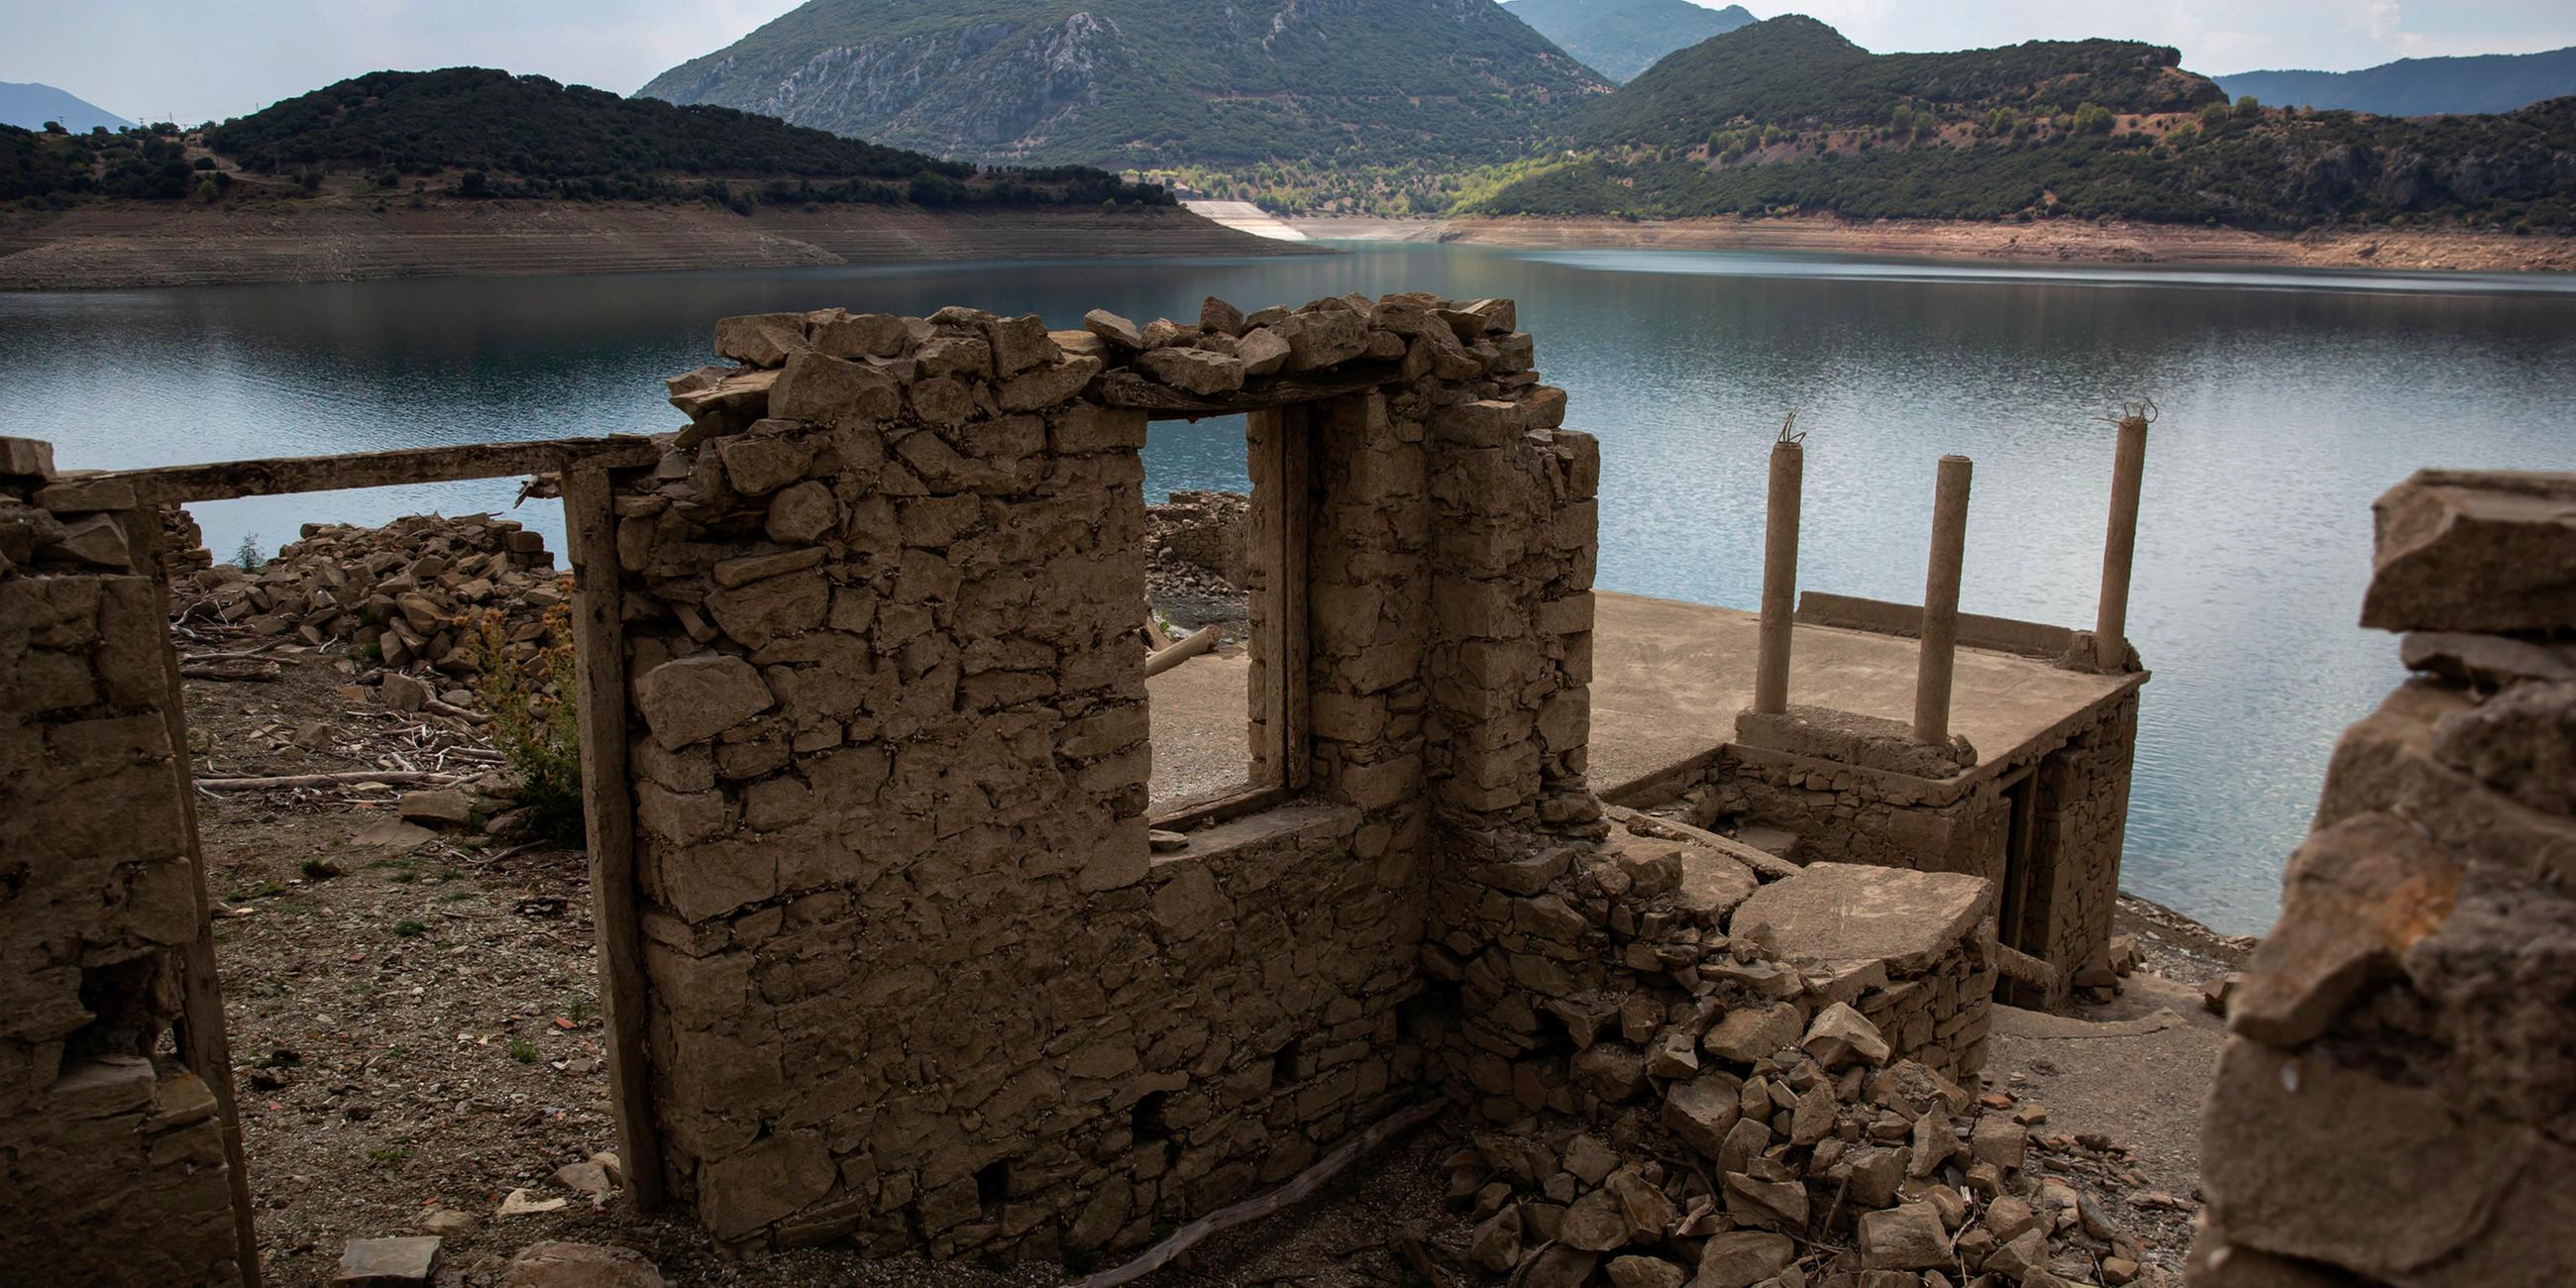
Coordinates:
[1195,544]
[1703,1064]
[398,593]
[2393,1106]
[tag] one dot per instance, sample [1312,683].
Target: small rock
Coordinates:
[1909,1237]
[555,1264]
[1743,1258]
[448,1221]
[2119,1270]
[1496,1244]
[1559,1267]
[587,1179]
[1595,1223]
[1842,1036]
[403,693]
[445,805]
[388,1263]
[1589,1159]
[517,1203]
[1163,842]
[1645,1272]
[1113,328]
[2004,1144]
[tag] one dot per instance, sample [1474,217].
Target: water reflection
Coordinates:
[2288,401]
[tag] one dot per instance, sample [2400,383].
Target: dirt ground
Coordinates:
[2063,241]
[415,1030]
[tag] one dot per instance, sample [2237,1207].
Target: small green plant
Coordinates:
[410,929]
[389,1154]
[536,721]
[581,1011]
[523,1051]
[246,556]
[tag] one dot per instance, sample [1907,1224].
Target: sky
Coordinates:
[193,61]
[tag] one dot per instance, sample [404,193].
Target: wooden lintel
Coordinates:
[224,480]
[1126,388]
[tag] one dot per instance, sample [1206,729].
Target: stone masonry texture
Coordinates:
[2396,1104]
[916,977]
[112,1160]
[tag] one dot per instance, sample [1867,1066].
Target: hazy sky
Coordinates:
[195,61]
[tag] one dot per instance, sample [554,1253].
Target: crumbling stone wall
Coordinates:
[1821,786]
[2393,1106]
[917,972]
[113,1167]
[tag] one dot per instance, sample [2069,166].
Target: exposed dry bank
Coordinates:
[133,244]
[2055,241]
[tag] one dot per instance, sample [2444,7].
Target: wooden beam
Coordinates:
[1126,388]
[599,653]
[224,480]
[204,1043]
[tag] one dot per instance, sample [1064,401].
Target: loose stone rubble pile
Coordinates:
[113,1163]
[2393,1107]
[400,593]
[1702,1064]
[1195,544]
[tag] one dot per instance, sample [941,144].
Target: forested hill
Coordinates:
[1313,84]
[2420,86]
[1786,116]
[1797,72]
[1620,38]
[472,118]
[482,133]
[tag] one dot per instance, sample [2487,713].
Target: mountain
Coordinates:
[1234,84]
[1620,38]
[1787,116]
[29,106]
[2420,86]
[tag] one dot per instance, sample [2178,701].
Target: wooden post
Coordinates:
[204,1043]
[599,642]
[1779,577]
[2120,546]
[1941,603]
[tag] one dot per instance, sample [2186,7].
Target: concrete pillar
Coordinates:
[1941,603]
[2120,547]
[1779,578]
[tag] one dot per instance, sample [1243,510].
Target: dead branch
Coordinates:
[1305,1183]
[390,777]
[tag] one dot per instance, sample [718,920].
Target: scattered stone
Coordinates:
[1841,1036]
[409,1262]
[1113,328]
[1164,842]
[519,1203]
[1743,1258]
[447,1222]
[554,1264]
[1909,1237]
[446,806]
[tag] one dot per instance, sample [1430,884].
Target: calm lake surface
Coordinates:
[2288,401]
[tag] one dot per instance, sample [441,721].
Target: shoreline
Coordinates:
[129,245]
[2055,242]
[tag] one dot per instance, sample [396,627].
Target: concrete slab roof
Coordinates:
[1668,679]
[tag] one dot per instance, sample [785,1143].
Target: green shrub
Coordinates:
[536,719]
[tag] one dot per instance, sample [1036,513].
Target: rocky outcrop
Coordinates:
[2393,1105]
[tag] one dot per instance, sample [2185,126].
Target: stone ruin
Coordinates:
[2397,1100]
[119,1156]
[893,949]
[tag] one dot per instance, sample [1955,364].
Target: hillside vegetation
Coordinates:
[1620,38]
[480,133]
[2420,86]
[1315,91]
[1787,116]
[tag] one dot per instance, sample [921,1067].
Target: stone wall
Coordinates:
[917,972]
[113,1165]
[2396,1104]
[1831,787]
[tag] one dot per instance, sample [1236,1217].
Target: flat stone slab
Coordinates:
[388,1263]
[1835,913]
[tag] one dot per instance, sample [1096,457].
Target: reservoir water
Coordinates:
[2287,401]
